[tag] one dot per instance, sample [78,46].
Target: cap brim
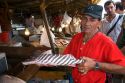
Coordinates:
[93,15]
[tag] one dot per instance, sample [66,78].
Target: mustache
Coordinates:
[86,27]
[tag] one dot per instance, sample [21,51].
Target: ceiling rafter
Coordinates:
[52,5]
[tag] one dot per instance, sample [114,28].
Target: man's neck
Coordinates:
[88,36]
[110,17]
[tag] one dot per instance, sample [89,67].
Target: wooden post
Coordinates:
[4,16]
[43,11]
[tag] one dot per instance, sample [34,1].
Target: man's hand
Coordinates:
[89,64]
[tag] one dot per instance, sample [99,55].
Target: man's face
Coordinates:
[110,9]
[89,24]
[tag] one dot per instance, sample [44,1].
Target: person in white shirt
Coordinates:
[110,20]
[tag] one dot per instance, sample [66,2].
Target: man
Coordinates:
[111,24]
[119,8]
[99,51]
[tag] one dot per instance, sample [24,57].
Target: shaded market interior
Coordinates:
[15,12]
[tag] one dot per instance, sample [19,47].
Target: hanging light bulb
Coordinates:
[53,29]
[32,17]
[27,32]
[60,29]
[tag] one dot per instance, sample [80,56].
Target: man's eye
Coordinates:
[92,19]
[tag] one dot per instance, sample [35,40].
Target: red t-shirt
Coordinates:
[101,48]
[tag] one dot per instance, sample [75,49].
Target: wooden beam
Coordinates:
[43,12]
[19,2]
[21,52]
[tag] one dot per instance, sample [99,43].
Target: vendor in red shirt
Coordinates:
[100,53]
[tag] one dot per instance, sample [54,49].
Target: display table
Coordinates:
[15,55]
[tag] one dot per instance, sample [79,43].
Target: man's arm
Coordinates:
[90,64]
[112,68]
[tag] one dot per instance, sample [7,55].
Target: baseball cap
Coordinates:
[93,10]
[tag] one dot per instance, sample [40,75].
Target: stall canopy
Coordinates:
[53,6]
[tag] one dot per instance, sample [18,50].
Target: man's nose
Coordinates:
[87,22]
[109,9]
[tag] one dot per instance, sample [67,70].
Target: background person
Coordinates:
[111,24]
[119,8]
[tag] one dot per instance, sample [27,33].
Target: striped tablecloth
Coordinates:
[54,60]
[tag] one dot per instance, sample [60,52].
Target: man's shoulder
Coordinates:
[104,20]
[105,39]
[122,15]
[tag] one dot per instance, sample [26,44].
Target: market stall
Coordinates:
[48,9]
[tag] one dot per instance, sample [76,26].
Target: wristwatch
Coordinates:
[97,67]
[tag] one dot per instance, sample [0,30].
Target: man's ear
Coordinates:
[99,24]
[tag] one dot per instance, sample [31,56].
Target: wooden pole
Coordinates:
[5,17]
[43,11]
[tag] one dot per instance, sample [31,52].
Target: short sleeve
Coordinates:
[114,55]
